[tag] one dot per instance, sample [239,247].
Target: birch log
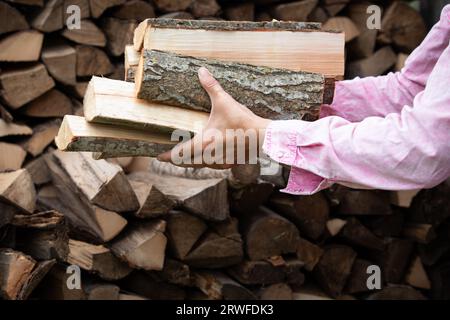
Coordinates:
[270,93]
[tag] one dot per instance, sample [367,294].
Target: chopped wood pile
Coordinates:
[141,229]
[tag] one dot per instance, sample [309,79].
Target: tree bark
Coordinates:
[270,93]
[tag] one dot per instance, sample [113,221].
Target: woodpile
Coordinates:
[141,229]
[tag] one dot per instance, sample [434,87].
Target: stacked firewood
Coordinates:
[140,229]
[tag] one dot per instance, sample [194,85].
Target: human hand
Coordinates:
[229,138]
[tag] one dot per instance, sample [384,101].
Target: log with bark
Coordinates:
[227,39]
[97,259]
[172,79]
[114,102]
[20,274]
[76,134]
[85,220]
[268,234]
[43,235]
[206,198]
[142,245]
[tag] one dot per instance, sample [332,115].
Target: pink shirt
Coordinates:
[389,132]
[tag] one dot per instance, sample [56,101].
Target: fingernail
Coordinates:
[204,72]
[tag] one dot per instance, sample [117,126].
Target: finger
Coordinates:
[186,153]
[209,83]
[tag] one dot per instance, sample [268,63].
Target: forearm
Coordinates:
[379,96]
[407,150]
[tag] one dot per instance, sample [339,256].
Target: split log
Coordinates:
[53,103]
[21,46]
[375,65]
[21,85]
[114,102]
[357,281]
[182,239]
[43,235]
[38,170]
[149,286]
[51,17]
[134,10]
[335,226]
[440,279]
[60,61]
[394,259]
[20,274]
[431,206]
[85,220]
[251,196]
[17,189]
[345,25]
[38,3]
[244,175]
[75,134]
[403,26]
[256,272]
[278,291]
[206,198]
[79,89]
[99,6]
[204,8]
[251,89]
[5,115]
[333,7]
[309,253]
[218,248]
[310,214]
[183,15]
[318,15]
[43,135]
[103,183]
[85,11]
[92,61]
[7,213]
[265,273]
[130,296]
[11,156]
[119,33]
[96,259]
[142,245]
[152,202]
[310,293]
[11,19]
[294,11]
[227,40]
[403,198]
[401,61]
[175,272]
[131,63]
[361,202]
[358,235]
[334,268]
[397,293]
[240,12]
[13,129]
[387,225]
[164,168]
[54,287]
[419,232]
[364,45]
[88,34]
[170,6]
[267,234]
[217,285]
[416,275]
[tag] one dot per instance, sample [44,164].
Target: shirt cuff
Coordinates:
[281,143]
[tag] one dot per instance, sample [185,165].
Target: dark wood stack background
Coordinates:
[230,237]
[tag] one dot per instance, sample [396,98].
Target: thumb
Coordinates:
[208,82]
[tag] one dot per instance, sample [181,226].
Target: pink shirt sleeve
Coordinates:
[405,150]
[360,98]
